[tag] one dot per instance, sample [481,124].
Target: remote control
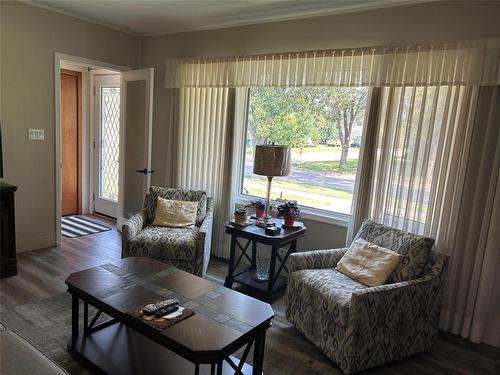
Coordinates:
[152,308]
[167,310]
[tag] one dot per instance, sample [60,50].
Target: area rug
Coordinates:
[47,326]
[76,226]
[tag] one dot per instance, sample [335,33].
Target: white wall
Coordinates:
[420,23]
[29,38]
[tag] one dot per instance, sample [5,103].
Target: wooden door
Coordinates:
[70,145]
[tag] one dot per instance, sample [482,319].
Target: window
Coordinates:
[324,127]
[109,147]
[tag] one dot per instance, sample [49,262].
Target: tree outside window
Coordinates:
[323,126]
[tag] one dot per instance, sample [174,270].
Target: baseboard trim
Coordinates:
[35,243]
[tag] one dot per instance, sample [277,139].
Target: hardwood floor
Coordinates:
[41,274]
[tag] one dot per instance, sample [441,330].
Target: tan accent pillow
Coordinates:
[175,214]
[368,263]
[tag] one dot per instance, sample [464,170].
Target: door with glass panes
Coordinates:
[106,143]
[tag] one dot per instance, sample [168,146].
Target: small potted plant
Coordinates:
[289,211]
[240,216]
[259,206]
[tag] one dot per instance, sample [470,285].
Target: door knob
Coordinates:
[144,171]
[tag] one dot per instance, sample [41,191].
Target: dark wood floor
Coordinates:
[41,274]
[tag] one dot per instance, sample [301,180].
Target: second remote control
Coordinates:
[153,308]
[167,310]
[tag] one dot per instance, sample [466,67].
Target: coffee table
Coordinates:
[225,322]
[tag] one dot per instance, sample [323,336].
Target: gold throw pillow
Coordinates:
[368,263]
[175,214]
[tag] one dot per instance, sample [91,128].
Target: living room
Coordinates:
[300,128]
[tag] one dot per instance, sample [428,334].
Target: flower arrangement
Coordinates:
[259,205]
[289,211]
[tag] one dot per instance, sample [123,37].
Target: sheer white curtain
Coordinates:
[472,299]
[421,142]
[204,137]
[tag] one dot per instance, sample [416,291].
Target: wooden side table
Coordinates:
[253,235]
[8,260]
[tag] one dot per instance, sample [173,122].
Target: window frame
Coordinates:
[239,143]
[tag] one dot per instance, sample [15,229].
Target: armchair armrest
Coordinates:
[402,286]
[131,228]
[206,226]
[135,224]
[317,259]
[403,310]
[413,299]
[205,233]
[420,296]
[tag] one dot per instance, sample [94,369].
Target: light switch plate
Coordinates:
[36,134]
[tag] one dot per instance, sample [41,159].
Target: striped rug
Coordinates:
[76,226]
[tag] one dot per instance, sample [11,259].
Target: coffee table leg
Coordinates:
[258,353]
[75,313]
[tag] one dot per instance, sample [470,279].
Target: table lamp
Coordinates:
[271,160]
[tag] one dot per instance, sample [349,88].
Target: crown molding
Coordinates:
[304,14]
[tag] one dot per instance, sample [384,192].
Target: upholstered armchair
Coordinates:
[360,327]
[185,248]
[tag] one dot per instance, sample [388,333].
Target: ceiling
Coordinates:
[154,17]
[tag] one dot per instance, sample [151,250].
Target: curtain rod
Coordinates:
[356,50]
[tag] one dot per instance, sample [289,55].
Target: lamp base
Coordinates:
[265,222]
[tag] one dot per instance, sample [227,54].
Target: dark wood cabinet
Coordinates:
[8,260]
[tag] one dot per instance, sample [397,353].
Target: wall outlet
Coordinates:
[36,134]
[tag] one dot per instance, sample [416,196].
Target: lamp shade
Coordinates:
[272,160]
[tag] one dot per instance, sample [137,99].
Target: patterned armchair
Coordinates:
[360,327]
[185,248]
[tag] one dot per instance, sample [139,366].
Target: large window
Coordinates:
[324,127]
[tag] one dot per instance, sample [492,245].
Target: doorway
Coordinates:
[76,109]
[108,123]
[71,124]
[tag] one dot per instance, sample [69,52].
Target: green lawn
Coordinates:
[307,195]
[318,148]
[329,166]
[319,158]
[305,150]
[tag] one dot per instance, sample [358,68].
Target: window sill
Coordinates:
[308,213]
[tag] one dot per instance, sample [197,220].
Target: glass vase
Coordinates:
[263,262]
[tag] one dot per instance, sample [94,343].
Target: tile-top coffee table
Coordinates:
[225,322]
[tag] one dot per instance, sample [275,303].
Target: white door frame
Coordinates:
[146,74]
[58,58]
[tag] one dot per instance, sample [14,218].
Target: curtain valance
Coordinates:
[471,62]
